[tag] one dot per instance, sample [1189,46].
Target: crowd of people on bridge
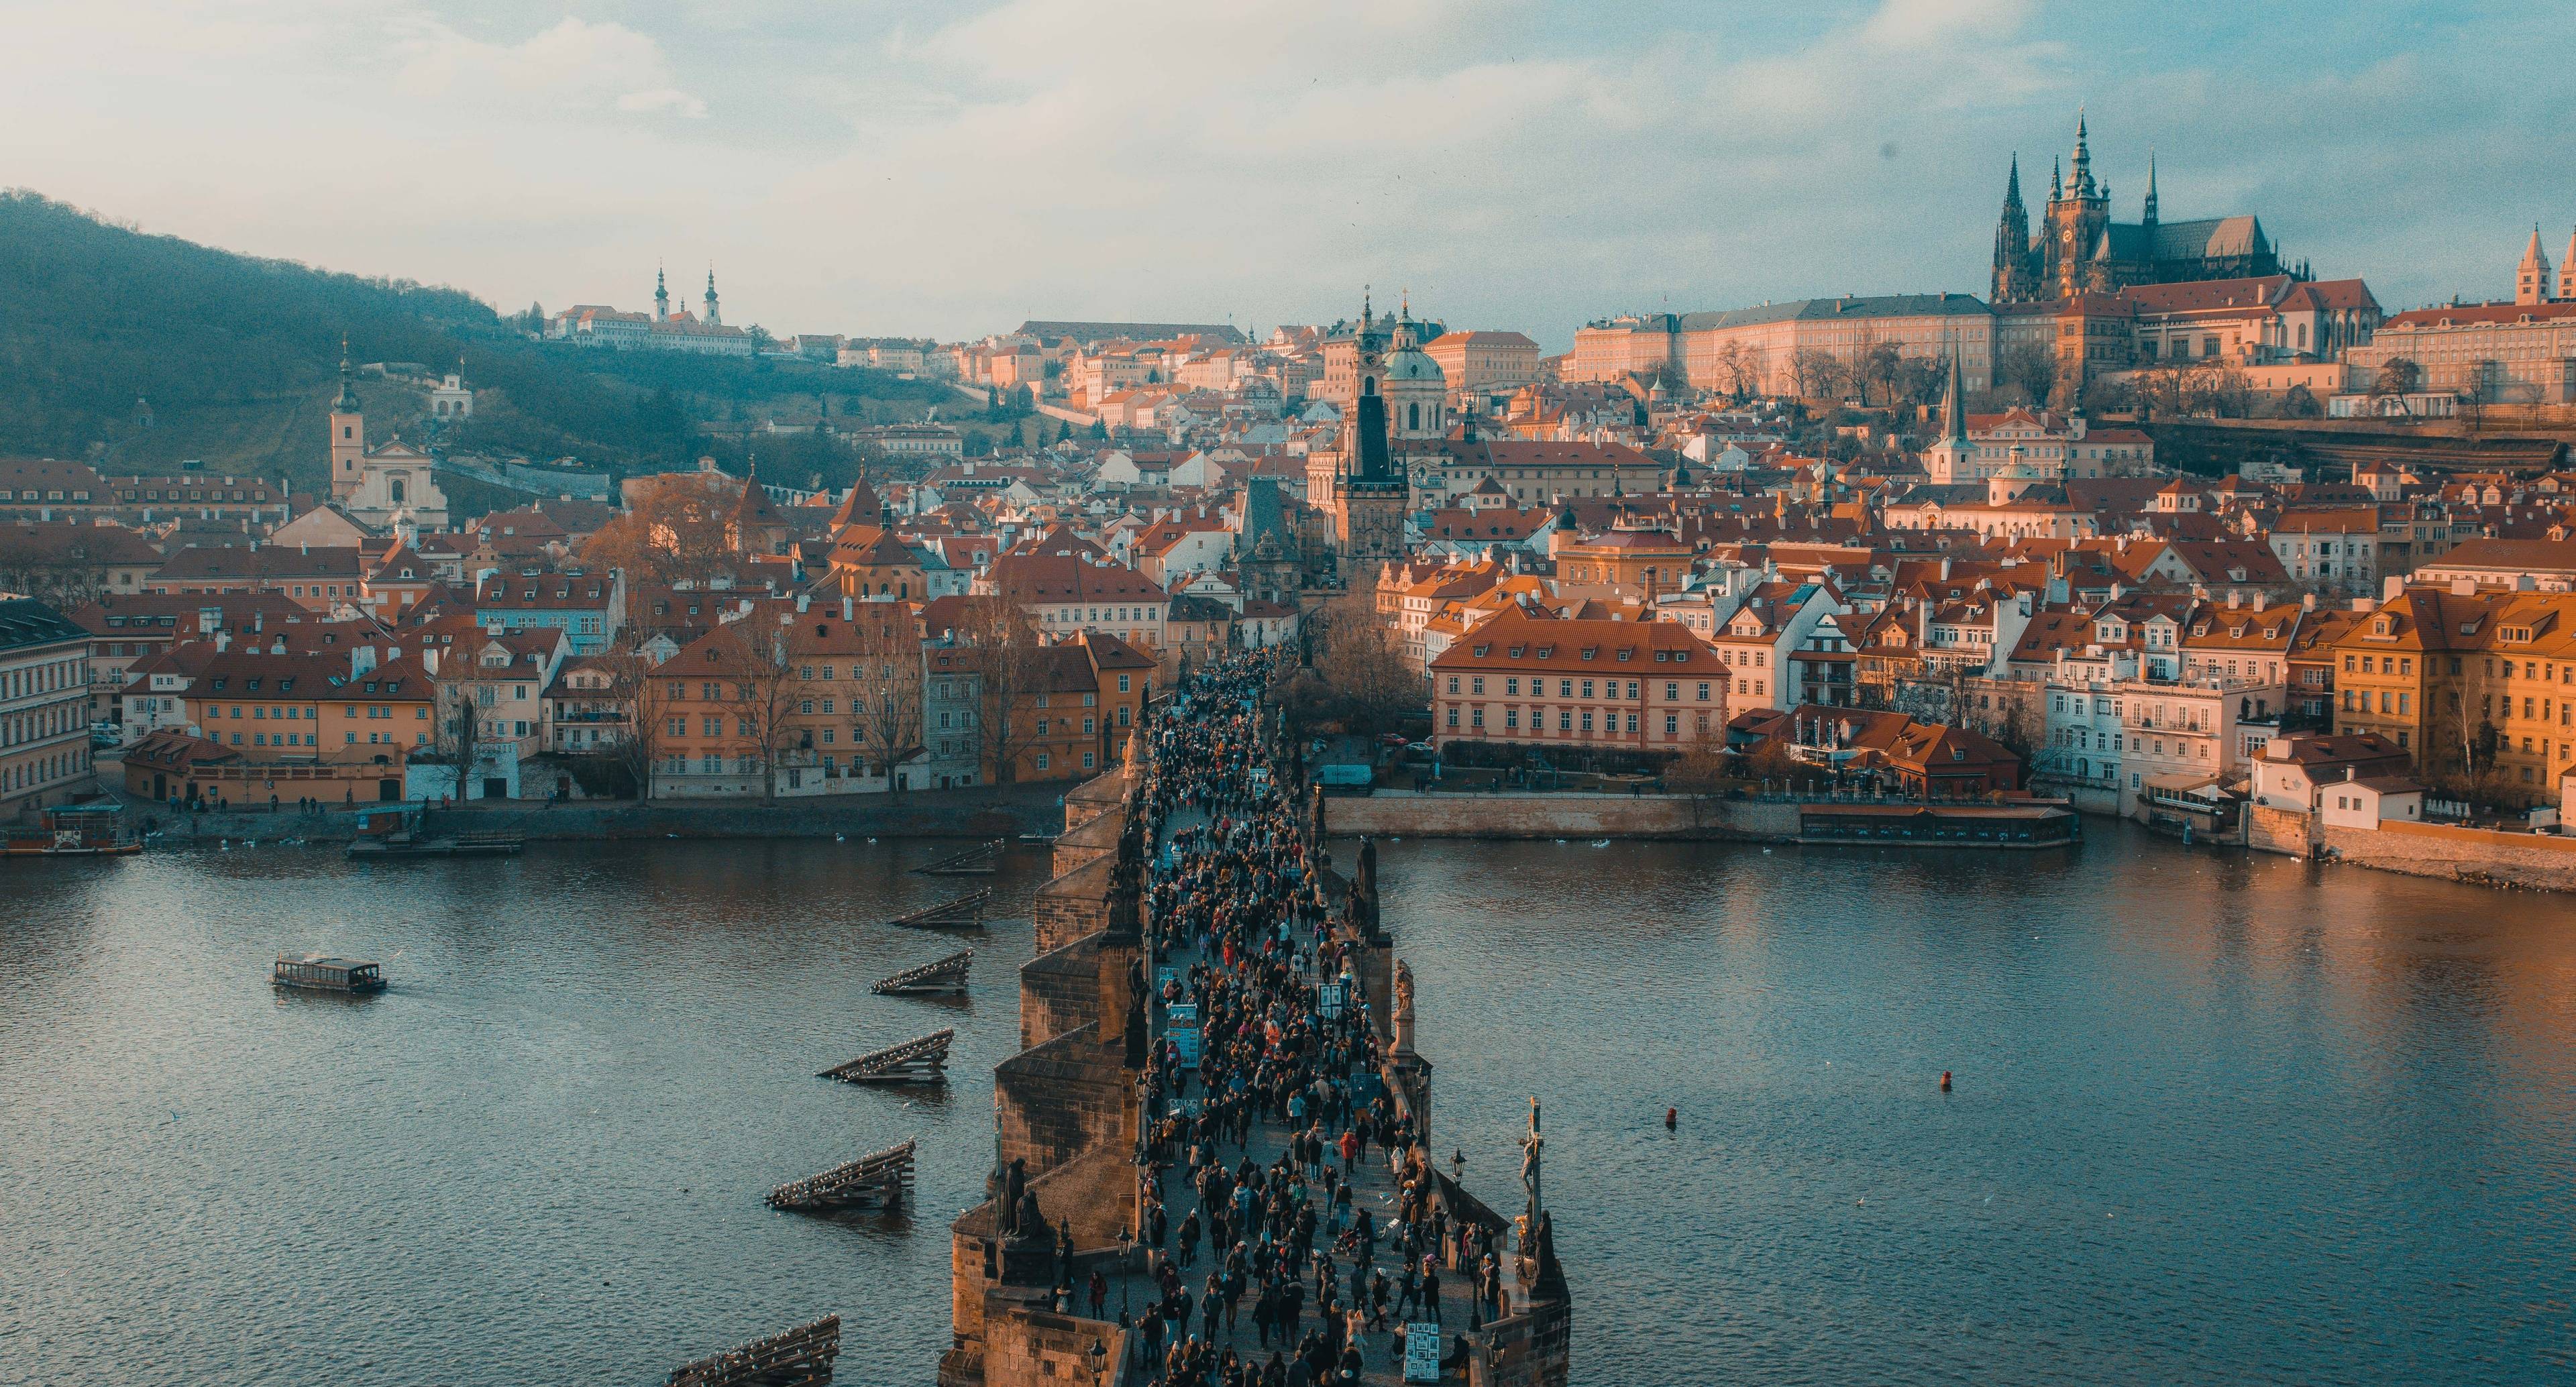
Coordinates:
[1270,1047]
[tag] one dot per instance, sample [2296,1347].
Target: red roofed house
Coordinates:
[1578,685]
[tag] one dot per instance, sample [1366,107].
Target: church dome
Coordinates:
[1411,363]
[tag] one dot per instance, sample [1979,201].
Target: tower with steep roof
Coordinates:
[713,318]
[348,432]
[1952,458]
[2531,279]
[2012,276]
[661,296]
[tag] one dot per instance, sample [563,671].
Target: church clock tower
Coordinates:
[348,433]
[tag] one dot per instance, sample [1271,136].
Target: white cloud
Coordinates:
[575,65]
[910,167]
[664,99]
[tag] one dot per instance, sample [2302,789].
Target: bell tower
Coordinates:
[348,433]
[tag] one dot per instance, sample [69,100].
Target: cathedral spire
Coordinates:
[2150,218]
[2083,184]
[2012,241]
[1954,406]
[2056,180]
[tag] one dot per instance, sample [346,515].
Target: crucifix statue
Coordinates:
[1531,1146]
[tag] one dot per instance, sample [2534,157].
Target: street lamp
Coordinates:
[1096,1358]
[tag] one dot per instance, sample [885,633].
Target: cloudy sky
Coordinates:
[949,167]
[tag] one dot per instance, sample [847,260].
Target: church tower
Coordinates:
[1952,458]
[712,317]
[661,296]
[2012,276]
[1370,496]
[2078,217]
[2531,281]
[2149,218]
[348,433]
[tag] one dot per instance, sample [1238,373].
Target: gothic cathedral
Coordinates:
[2078,249]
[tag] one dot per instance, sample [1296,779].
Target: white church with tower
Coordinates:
[384,486]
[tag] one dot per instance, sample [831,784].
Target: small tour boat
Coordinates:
[328,974]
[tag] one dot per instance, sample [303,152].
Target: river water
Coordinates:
[2215,1119]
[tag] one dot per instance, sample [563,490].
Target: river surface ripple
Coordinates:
[2215,1118]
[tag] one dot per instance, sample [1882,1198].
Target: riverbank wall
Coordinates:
[2480,857]
[1399,813]
[982,812]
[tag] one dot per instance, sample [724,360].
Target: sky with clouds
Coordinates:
[948,169]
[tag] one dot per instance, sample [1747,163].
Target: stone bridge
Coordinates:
[1069,1105]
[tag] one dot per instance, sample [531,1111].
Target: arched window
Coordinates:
[397,485]
[1413,416]
[1368,385]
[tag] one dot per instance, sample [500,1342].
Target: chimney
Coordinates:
[361,660]
[209,620]
[2464,587]
[2391,586]
[2235,598]
[2347,773]
[223,641]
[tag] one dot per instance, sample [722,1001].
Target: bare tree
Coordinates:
[460,727]
[647,700]
[2032,369]
[1010,663]
[2398,378]
[676,530]
[889,699]
[1816,373]
[760,669]
[1356,657]
[1882,365]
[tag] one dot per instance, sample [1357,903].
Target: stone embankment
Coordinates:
[983,812]
[1404,813]
[2480,857]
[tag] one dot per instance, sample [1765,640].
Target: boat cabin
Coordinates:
[329,974]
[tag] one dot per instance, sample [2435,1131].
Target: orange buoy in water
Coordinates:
[1672,1118]
[1945,1081]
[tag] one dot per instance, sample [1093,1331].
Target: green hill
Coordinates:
[137,351]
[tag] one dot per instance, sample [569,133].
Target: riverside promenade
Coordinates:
[1218,1097]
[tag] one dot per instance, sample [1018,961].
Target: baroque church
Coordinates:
[2077,249]
[1394,402]
[384,486]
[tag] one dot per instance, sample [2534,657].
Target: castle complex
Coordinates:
[2078,249]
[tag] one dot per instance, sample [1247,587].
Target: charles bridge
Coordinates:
[1068,1115]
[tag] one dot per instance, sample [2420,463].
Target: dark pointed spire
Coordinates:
[347,403]
[2056,179]
[1954,405]
[2012,181]
[2150,218]
[2083,184]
